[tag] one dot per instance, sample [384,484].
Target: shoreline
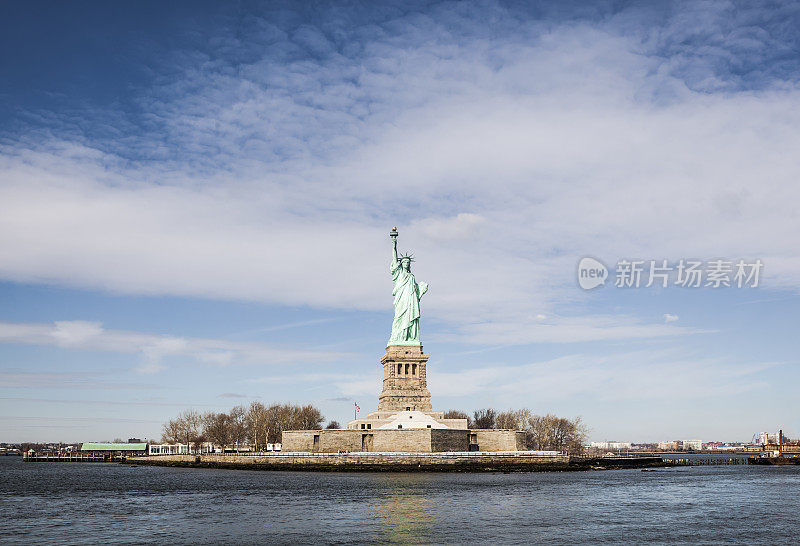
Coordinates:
[402,462]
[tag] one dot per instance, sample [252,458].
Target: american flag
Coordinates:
[357,408]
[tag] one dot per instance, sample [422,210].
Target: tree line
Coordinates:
[257,425]
[542,432]
[254,426]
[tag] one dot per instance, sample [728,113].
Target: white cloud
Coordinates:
[347,384]
[670,318]
[154,348]
[516,329]
[461,228]
[501,162]
[76,332]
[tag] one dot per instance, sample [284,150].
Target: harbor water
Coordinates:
[114,503]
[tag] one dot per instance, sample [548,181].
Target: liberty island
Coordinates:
[405,432]
[405,420]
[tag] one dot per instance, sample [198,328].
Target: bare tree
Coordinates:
[308,418]
[170,432]
[256,425]
[458,414]
[237,426]
[280,417]
[556,433]
[578,436]
[513,419]
[274,424]
[539,432]
[216,427]
[184,429]
[198,442]
[485,418]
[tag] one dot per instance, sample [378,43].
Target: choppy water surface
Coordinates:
[100,503]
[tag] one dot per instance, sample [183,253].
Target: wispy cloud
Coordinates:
[92,402]
[231,395]
[348,384]
[91,336]
[632,376]
[18,378]
[303,378]
[47,421]
[524,328]
[502,156]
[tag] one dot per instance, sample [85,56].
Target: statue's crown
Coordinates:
[409,257]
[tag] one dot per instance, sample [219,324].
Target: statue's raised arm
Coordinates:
[407,293]
[393,235]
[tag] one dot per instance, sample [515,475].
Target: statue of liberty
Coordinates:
[407,292]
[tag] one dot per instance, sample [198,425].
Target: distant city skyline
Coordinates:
[196,200]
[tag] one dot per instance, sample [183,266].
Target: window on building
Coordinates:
[399,369]
[363,426]
[399,426]
[406,369]
[413,369]
[429,426]
[408,408]
[369,425]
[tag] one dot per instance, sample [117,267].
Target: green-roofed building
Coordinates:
[103,448]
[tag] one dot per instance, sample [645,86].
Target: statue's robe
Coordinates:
[407,293]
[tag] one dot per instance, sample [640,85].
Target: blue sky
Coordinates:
[196,199]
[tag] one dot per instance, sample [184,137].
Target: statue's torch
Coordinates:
[393,234]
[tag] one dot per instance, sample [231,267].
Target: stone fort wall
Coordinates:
[388,462]
[402,440]
[497,440]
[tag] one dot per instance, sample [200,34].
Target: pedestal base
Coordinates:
[405,381]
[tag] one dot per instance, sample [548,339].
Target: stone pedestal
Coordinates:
[405,383]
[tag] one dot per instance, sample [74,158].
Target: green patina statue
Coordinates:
[407,292]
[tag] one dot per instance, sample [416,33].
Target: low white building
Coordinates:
[693,445]
[168,449]
[611,445]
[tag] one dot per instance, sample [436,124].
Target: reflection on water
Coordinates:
[404,514]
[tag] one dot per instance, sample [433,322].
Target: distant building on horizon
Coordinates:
[694,445]
[681,445]
[611,445]
[765,438]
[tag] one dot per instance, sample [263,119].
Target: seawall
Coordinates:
[397,462]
